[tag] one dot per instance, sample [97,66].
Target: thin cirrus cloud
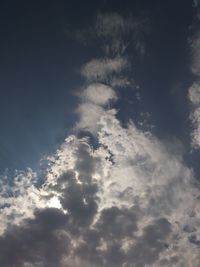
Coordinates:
[128,201]
[196,3]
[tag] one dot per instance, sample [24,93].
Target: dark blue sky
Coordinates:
[39,71]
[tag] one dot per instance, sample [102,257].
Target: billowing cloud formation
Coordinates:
[128,202]
[113,196]
[91,108]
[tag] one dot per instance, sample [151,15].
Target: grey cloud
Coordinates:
[193,239]
[196,3]
[39,241]
[102,245]
[85,164]
[151,243]
[80,202]
[125,232]
[105,245]
[77,192]
[116,223]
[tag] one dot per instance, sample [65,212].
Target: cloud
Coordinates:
[113,195]
[194,97]
[195,48]
[98,94]
[195,135]
[128,202]
[37,242]
[89,114]
[194,94]
[18,199]
[103,69]
[196,3]
[194,90]
[94,99]
[114,27]
[114,33]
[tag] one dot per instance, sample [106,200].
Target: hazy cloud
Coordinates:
[196,3]
[103,69]
[195,48]
[114,33]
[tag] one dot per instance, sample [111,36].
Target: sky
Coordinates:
[100,133]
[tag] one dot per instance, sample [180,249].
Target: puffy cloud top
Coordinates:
[194,94]
[99,94]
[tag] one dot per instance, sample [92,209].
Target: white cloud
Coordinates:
[89,115]
[98,94]
[130,189]
[103,69]
[134,170]
[94,99]
[194,94]
[195,135]
[19,199]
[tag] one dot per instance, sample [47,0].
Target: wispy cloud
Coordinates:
[194,90]
[194,97]
[104,70]
[195,48]
[196,3]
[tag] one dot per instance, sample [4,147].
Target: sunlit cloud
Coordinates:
[123,198]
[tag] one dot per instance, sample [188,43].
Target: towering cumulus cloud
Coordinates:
[113,195]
